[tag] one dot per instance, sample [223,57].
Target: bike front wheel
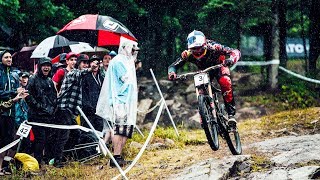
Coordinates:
[232,137]
[209,125]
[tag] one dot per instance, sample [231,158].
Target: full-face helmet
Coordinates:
[197,43]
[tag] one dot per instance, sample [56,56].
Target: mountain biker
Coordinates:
[205,53]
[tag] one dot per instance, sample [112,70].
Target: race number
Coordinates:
[24,130]
[200,79]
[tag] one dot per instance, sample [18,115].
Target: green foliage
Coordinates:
[296,94]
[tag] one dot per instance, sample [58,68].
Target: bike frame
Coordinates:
[214,121]
[203,83]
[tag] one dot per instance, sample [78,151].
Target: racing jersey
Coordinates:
[214,54]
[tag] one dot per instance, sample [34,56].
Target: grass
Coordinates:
[190,147]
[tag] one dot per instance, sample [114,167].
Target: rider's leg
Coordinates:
[227,92]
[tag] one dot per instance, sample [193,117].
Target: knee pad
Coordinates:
[226,88]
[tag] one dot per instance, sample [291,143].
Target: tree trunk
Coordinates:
[282,7]
[314,36]
[303,36]
[273,69]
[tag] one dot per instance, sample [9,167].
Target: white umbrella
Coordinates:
[81,47]
[55,45]
[47,47]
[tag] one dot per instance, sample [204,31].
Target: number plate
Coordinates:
[200,79]
[24,130]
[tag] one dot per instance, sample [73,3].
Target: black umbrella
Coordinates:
[52,46]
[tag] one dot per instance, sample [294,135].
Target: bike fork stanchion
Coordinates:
[101,143]
[155,81]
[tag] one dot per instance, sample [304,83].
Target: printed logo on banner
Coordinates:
[24,130]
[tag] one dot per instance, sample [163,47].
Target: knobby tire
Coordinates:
[208,124]
[232,138]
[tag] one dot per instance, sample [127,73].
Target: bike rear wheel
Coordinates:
[232,137]
[209,125]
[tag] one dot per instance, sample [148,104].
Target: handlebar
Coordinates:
[184,76]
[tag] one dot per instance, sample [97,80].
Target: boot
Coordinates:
[231,110]
[58,163]
[120,161]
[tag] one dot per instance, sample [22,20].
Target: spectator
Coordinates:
[59,76]
[21,106]
[9,88]
[42,103]
[58,62]
[63,59]
[119,96]
[69,98]
[105,64]
[112,54]
[91,86]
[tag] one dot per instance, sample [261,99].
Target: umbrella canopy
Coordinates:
[22,60]
[50,46]
[97,30]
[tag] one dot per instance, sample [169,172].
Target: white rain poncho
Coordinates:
[119,95]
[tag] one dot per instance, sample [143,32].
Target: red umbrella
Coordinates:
[97,30]
[22,60]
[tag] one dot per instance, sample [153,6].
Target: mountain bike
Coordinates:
[214,118]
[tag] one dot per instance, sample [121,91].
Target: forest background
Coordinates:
[161,26]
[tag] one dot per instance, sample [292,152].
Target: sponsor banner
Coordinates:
[253,46]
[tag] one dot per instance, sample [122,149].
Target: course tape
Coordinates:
[56,126]
[275,61]
[5,148]
[255,63]
[299,76]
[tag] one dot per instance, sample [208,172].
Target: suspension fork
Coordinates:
[212,104]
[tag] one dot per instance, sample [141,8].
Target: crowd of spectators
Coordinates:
[50,96]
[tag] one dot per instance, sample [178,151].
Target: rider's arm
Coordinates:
[176,65]
[234,54]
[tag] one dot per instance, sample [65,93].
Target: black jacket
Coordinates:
[42,98]
[91,87]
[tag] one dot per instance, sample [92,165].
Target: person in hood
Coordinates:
[42,103]
[9,89]
[118,98]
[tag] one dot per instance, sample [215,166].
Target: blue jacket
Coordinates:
[9,82]
[21,108]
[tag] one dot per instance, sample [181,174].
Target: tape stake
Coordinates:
[156,82]
[147,141]
[102,145]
